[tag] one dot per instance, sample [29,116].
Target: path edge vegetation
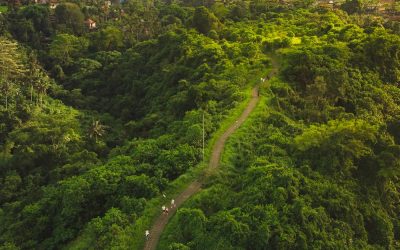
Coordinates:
[265,98]
[65,187]
[152,210]
[176,187]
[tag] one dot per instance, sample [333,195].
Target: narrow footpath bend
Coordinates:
[195,186]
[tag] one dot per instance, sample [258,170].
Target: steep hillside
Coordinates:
[98,123]
[317,166]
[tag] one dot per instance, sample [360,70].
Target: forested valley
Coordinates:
[107,107]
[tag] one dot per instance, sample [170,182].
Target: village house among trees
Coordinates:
[90,24]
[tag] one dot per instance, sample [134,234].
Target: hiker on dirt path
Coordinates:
[173,203]
[163,209]
[166,211]
[147,233]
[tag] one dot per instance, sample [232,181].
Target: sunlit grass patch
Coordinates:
[3,9]
[296,40]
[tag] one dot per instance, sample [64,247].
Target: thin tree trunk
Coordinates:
[203,136]
[31,94]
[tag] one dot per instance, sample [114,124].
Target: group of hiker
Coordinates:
[165,210]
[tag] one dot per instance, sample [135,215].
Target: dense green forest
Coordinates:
[97,123]
[317,166]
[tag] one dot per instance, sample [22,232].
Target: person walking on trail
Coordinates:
[166,211]
[163,209]
[173,203]
[147,233]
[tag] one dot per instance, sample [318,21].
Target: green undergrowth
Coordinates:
[3,9]
[228,150]
[152,210]
[120,113]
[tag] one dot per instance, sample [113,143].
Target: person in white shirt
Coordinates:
[173,203]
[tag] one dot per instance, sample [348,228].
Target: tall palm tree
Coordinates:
[33,73]
[96,130]
[9,88]
[41,85]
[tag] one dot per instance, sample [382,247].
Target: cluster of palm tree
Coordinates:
[11,69]
[14,78]
[39,82]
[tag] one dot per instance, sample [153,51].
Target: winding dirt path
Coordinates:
[195,186]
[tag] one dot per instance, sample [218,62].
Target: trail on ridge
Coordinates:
[195,186]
